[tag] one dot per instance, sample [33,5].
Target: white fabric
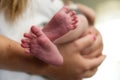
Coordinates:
[38,11]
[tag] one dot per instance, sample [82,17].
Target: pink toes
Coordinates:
[28,35]
[65,9]
[72,13]
[25,43]
[36,31]
[27,51]
[74,19]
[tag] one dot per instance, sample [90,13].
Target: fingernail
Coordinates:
[94,37]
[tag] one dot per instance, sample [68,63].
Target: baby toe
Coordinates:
[27,51]
[36,31]
[72,13]
[28,35]
[25,40]
[74,22]
[66,9]
[25,45]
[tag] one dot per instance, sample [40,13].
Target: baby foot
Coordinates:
[38,44]
[63,21]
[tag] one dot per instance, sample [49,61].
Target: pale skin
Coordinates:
[80,70]
[14,53]
[30,64]
[38,44]
[91,52]
[94,50]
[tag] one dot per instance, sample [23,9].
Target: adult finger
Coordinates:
[96,53]
[92,63]
[84,42]
[89,73]
[98,44]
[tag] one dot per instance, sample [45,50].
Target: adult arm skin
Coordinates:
[13,57]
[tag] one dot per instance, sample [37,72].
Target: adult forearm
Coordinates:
[12,57]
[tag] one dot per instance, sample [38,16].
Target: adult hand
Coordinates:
[94,51]
[81,57]
[75,65]
[96,47]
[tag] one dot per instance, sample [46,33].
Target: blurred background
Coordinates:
[108,23]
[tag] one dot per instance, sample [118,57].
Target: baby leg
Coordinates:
[63,21]
[41,47]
